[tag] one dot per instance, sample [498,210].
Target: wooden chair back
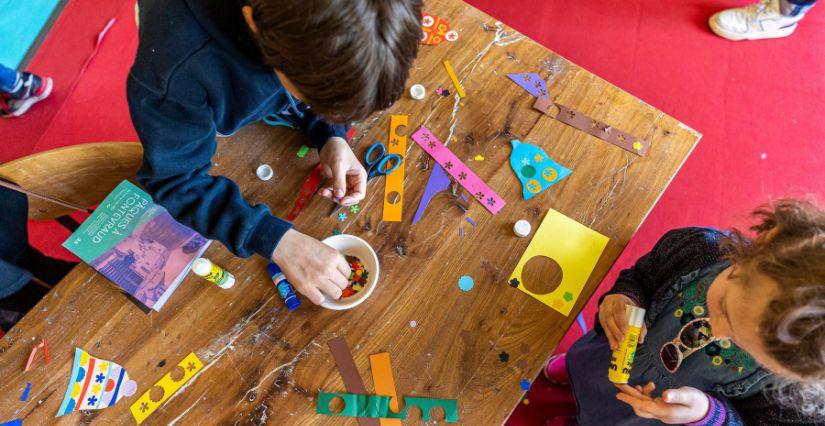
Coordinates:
[80,174]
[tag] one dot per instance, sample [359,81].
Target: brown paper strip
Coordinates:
[588,125]
[349,373]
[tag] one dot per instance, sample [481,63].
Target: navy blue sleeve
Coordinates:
[178,140]
[317,130]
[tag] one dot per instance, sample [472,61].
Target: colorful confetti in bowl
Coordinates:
[364,275]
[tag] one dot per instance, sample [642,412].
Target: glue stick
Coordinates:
[284,288]
[213,273]
[621,362]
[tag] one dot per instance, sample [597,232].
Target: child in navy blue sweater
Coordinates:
[209,67]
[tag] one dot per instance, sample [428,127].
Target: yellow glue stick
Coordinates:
[213,273]
[621,362]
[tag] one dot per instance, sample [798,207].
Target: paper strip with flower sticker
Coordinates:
[458,170]
[591,126]
[531,82]
[394,183]
[145,406]
[575,247]
[534,168]
[95,384]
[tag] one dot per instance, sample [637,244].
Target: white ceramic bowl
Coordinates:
[350,245]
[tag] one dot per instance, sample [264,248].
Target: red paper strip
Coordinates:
[309,188]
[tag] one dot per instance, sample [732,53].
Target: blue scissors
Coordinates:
[377,165]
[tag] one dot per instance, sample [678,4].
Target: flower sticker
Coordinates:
[462,176]
[513,282]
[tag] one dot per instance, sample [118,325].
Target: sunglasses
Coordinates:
[694,336]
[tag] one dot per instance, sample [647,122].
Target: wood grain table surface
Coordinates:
[264,365]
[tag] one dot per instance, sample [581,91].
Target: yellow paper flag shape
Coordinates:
[575,247]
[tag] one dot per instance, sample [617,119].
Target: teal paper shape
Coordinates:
[375,406]
[534,168]
[378,406]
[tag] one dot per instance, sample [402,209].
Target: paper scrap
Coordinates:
[575,247]
[525,385]
[15,422]
[454,78]
[303,151]
[349,373]
[465,283]
[458,170]
[413,324]
[434,30]
[310,186]
[394,182]
[144,406]
[471,221]
[41,345]
[385,383]
[479,157]
[503,356]
[437,182]
[593,127]
[534,168]
[531,82]
[95,384]
[378,406]
[26,391]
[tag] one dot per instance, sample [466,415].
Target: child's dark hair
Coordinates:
[348,58]
[789,247]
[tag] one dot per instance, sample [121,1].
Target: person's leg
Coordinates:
[766,19]
[10,81]
[30,90]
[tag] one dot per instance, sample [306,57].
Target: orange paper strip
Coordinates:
[385,384]
[394,183]
[454,78]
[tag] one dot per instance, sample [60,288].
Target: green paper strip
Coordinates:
[303,151]
[378,406]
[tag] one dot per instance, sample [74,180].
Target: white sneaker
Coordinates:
[754,22]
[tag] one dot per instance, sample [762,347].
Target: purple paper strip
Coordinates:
[531,82]
[438,182]
[472,222]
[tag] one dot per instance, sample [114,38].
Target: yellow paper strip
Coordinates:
[143,407]
[394,183]
[454,78]
[575,247]
[385,384]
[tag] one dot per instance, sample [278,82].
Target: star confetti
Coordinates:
[355,209]
[504,356]
[342,217]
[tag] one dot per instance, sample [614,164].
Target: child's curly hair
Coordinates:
[789,247]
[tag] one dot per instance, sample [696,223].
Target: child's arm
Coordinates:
[178,136]
[677,253]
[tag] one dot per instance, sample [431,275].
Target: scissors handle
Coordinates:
[384,168]
[371,159]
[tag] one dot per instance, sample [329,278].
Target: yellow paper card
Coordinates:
[575,247]
[394,182]
[145,406]
[385,384]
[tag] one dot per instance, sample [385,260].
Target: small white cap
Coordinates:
[264,172]
[201,266]
[417,91]
[635,315]
[522,228]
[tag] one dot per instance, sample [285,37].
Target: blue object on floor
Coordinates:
[21,22]
[26,392]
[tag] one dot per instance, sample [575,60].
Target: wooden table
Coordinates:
[265,365]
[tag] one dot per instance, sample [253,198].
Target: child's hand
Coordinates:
[346,174]
[613,318]
[311,266]
[676,406]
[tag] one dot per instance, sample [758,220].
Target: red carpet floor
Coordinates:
[759,105]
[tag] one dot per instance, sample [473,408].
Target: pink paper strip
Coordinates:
[458,170]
